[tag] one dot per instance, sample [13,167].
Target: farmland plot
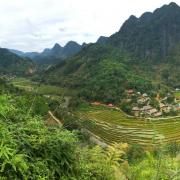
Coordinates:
[114,126]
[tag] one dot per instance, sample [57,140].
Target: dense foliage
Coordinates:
[97,73]
[31,150]
[15,65]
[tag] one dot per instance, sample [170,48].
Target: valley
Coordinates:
[110,124]
[97,105]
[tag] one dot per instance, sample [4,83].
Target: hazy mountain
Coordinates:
[11,63]
[55,51]
[19,53]
[70,49]
[54,55]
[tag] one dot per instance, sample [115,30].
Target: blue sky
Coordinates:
[32,25]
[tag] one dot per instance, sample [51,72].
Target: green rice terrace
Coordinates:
[114,126]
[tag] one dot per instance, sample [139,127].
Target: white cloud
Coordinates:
[32,25]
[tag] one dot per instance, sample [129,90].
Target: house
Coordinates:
[146,108]
[162,105]
[151,112]
[158,114]
[130,91]
[142,100]
[96,103]
[164,108]
[110,105]
[136,111]
[52,120]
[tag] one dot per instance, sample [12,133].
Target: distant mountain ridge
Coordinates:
[53,55]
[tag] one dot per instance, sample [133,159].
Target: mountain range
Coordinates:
[53,55]
[16,62]
[152,36]
[143,55]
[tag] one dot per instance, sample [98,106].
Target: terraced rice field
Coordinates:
[114,126]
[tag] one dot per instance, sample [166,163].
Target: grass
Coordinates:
[28,85]
[114,126]
[177,94]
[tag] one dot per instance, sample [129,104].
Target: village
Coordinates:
[143,105]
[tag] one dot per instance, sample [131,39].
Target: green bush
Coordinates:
[135,153]
[31,150]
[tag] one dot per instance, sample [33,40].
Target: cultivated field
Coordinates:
[177,94]
[28,85]
[114,126]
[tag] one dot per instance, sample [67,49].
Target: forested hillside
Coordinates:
[153,36]
[15,65]
[142,55]
[98,72]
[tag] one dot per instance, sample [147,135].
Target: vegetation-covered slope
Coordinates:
[32,150]
[29,149]
[97,72]
[152,36]
[13,64]
[142,55]
[153,40]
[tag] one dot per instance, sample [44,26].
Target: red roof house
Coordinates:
[110,105]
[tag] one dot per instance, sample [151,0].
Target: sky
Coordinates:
[33,25]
